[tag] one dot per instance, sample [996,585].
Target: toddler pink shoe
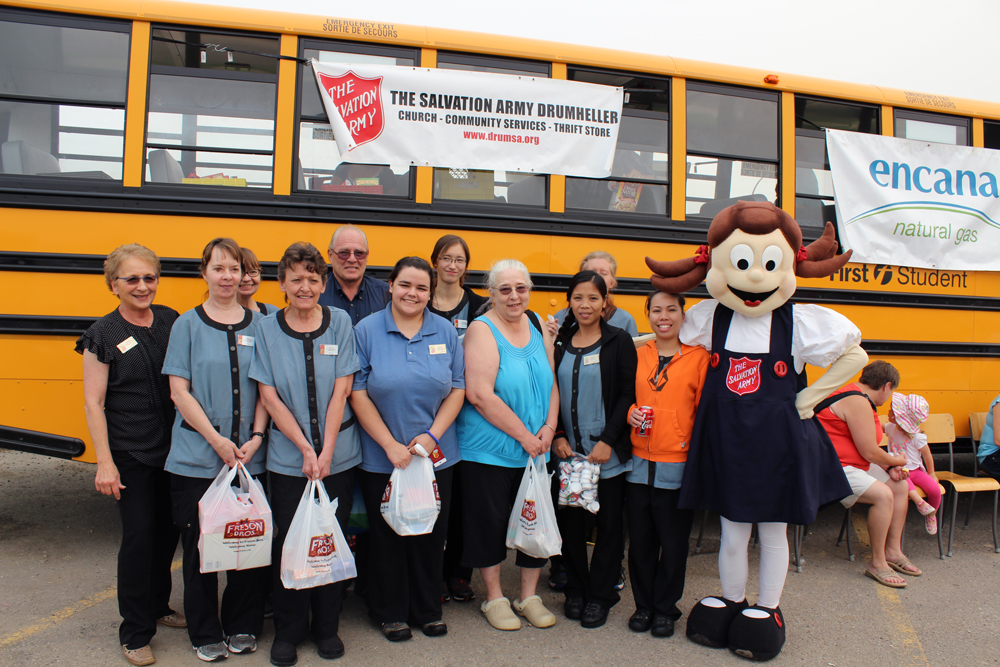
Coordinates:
[930,523]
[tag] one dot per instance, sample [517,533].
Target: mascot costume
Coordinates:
[758,456]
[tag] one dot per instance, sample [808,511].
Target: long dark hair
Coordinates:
[443,243]
[411,263]
[569,323]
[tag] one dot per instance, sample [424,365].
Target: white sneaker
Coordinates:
[242,644]
[212,652]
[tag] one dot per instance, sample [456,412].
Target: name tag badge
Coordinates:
[126,345]
[461,324]
[328,350]
[438,349]
[244,340]
[592,359]
[437,456]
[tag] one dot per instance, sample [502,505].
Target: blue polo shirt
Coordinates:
[407,380]
[372,296]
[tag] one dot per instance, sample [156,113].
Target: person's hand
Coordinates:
[310,464]
[399,455]
[227,451]
[323,462]
[561,448]
[601,453]
[552,326]
[108,481]
[533,445]
[545,434]
[250,448]
[425,441]
[635,418]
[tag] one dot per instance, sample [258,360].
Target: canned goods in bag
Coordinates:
[646,426]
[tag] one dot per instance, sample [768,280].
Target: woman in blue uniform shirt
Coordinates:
[408,392]
[304,363]
[219,421]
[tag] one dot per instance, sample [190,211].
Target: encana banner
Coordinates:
[383,114]
[914,203]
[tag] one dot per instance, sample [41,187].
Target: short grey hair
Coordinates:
[493,277]
[342,229]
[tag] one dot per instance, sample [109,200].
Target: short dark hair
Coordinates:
[411,263]
[228,246]
[878,373]
[681,301]
[305,254]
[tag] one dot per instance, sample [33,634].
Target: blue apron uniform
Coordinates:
[752,458]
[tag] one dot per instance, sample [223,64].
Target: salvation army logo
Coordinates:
[247,528]
[321,545]
[359,101]
[744,376]
[528,510]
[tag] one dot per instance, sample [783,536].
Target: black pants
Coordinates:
[405,585]
[456,534]
[991,465]
[243,599]
[292,607]
[658,547]
[149,540]
[595,582]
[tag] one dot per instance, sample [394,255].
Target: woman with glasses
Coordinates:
[510,418]
[219,422]
[250,283]
[129,415]
[458,304]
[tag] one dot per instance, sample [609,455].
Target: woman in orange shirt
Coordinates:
[669,380]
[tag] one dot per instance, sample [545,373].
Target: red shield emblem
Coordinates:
[744,375]
[359,101]
[528,510]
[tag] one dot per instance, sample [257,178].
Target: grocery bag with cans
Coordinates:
[315,552]
[578,480]
[411,502]
[532,527]
[235,523]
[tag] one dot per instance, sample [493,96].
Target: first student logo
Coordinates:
[359,100]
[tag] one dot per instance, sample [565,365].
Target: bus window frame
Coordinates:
[987,122]
[318,44]
[902,113]
[190,72]
[635,113]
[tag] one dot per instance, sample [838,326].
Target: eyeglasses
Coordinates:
[344,255]
[132,281]
[506,290]
[457,261]
[252,274]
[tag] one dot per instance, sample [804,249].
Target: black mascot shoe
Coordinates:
[709,626]
[758,638]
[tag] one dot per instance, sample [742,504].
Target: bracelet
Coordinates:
[551,427]
[436,441]
[257,433]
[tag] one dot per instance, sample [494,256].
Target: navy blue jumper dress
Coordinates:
[752,458]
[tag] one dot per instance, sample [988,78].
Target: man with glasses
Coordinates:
[351,290]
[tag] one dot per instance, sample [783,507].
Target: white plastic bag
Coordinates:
[315,552]
[411,502]
[532,527]
[235,526]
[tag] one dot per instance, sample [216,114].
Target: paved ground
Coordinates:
[58,539]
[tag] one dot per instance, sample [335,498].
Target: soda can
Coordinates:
[643,429]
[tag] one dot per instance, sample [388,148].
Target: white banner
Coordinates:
[914,203]
[383,114]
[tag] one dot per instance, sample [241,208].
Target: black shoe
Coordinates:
[435,629]
[460,590]
[663,626]
[396,632]
[758,638]
[330,648]
[595,615]
[709,626]
[573,608]
[641,620]
[557,579]
[445,593]
[283,653]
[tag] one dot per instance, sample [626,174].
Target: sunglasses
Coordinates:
[345,255]
[132,281]
[506,290]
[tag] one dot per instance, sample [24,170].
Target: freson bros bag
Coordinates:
[411,502]
[532,527]
[235,525]
[315,552]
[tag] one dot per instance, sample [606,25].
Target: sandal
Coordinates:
[881,577]
[900,565]
[930,523]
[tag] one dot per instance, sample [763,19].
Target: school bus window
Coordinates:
[62,96]
[642,154]
[497,186]
[991,135]
[208,123]
[933,128]
[732,147]
[814,202]
[320,165]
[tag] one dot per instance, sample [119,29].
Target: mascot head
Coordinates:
[753,255]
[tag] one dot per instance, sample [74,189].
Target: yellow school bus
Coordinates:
[169,123]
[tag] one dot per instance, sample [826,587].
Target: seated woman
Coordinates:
[403,407]
[595,369]
[219,422]
[668,380]
[304,363]
[250,283]
[989,445]
[509,418]
[604,265]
